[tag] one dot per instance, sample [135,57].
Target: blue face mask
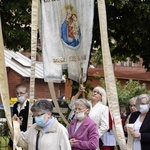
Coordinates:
[40,121]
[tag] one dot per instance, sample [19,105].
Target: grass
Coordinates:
[4,142]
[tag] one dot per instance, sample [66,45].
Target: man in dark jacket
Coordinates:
[21,109]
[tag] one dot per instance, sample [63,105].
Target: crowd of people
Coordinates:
[90,121]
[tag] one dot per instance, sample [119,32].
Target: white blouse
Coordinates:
[99,113]
[136,141]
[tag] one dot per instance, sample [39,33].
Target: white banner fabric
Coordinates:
[66,37]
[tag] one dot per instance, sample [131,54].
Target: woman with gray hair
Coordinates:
[99,112]
[141,121]
[47,133]
[83,132]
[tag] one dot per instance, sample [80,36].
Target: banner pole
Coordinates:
[81,81]
[109,77]
[53,95]
[4,88]
[34,28]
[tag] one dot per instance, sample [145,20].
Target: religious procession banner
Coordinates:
[66,36]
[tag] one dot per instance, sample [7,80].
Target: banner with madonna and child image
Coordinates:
[66,36]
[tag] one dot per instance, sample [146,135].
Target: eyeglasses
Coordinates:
[38,115]
[97,92]
[20,93]
[132,105]
[143,103]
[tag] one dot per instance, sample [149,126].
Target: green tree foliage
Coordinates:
[16,20]
[129,90]
[128,30]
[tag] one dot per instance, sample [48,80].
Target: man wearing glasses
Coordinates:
[21,109]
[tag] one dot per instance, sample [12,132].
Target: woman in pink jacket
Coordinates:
[83,132]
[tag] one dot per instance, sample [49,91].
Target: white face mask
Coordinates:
[21,99]
[144,108]
[80,115]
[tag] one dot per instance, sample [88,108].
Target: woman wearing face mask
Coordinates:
[83,132]
[47,133]
[141,120]
[99,112]
[21,109]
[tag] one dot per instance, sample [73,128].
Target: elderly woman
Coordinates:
[141,120]
[132,108]
[83,132]
[99,112]
[47,133]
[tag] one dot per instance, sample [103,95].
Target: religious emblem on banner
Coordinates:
[70,30]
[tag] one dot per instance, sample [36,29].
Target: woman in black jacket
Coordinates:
[141,120]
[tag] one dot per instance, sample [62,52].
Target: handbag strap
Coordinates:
[37,139]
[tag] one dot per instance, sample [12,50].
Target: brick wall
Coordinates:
[14,79]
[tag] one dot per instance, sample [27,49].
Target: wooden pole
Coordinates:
[81,81]
[53,95]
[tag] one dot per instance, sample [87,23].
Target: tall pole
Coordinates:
[4,92]
[34,31]
[109,77]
